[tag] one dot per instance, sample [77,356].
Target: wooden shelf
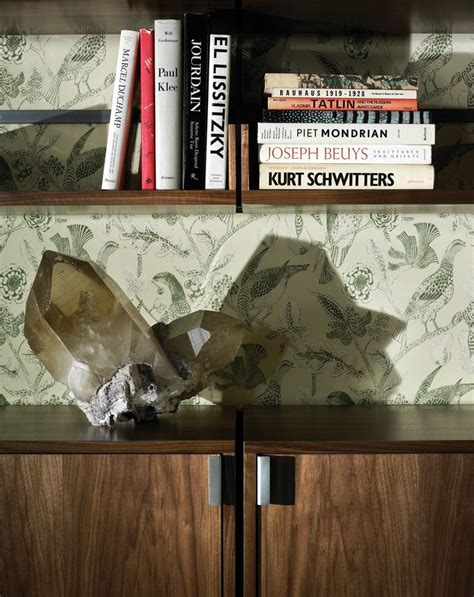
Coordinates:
[256,200]
[83,201]
[383,428]
[65,429]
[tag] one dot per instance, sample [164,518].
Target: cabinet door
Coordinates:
[371,525]
[92,525]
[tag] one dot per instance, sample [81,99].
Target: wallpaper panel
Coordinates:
[340,307]
[77,72]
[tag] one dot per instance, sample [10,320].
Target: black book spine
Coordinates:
[195,92]
[348,116]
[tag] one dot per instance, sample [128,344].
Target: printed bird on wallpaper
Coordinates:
[442,395]
[260,290]
[447,155]
[418,251]
[244,371]
[82,167]
[178,304]
[85,55]
[434,52]
[341,232]
[435,291]
[271,396]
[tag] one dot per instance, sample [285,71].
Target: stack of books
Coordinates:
[184,102]
[350,132]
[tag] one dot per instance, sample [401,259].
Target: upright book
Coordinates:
[147,108]
[195,85]
[121,111]
[218,111]
[168,104]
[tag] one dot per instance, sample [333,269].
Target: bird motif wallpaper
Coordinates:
[77,71]
[341,306]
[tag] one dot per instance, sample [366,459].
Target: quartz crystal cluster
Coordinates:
[91,338]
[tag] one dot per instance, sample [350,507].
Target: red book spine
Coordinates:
[289,103]
[147,106]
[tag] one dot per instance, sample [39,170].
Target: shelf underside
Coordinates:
[110,16]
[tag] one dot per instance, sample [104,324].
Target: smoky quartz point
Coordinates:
[91,338]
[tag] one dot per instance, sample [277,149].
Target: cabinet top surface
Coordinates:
[193,429]
[354,428]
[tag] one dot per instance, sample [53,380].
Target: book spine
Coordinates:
[288,103]
[312,80]
[347,154]
[121,111]
[328,93]
[325,177]
[195,82]
[349,116]
[340,134]
[218,111]
[147,107]
[168,104]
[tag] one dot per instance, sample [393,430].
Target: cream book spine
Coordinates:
[121,111]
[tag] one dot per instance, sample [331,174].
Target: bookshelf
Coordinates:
[245,19]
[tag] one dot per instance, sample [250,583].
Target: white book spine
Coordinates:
[218,111]
[344,93]
[168,103]
[347,176]
[342,134]
[344,154]
[121,111]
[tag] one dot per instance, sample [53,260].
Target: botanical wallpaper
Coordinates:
[77,72]
[341,307]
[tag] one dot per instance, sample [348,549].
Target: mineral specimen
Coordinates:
[91,338]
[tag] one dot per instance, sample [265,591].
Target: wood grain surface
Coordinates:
[32,541]
[409,428]
[251,537]
[102,525]
[64,429]
[111,198]
[372,525]
[305,198]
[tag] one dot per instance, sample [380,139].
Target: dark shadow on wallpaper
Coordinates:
[302,323]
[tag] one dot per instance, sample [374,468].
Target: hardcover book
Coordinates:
[121,111]
[289,103]
[311,80]
[218,111]
[168,104]
[348,116]
[348,154]
[345,93]
[373,134]
[195,82]
[347,176]
[147,107]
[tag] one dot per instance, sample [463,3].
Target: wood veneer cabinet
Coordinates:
[365,502]
[88,511]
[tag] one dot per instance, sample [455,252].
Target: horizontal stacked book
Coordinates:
[184,104]
[351,132]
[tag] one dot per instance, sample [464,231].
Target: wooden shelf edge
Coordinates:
[111,198]
[322,198]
